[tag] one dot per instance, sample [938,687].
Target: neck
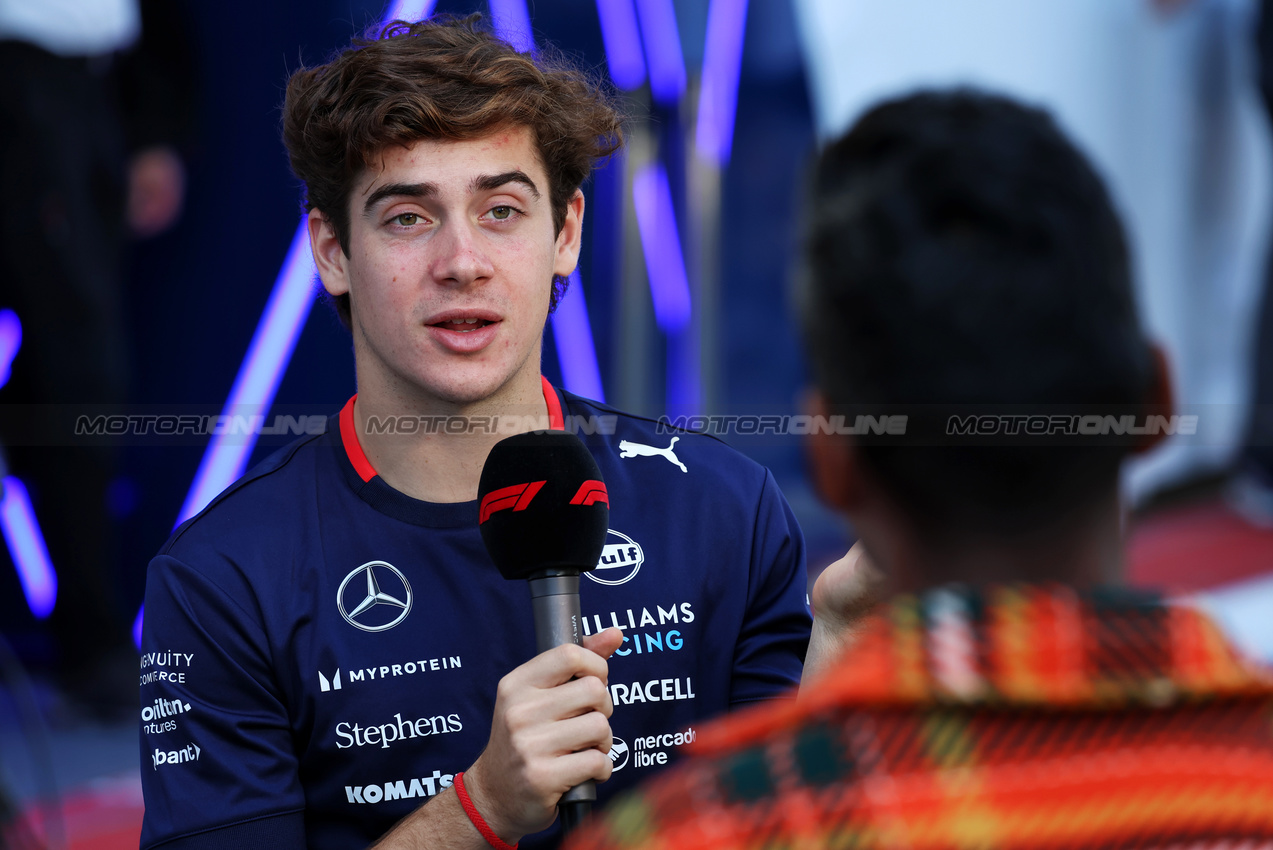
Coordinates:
[1082,550]
[432,458]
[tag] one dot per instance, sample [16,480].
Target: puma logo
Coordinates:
[630,449]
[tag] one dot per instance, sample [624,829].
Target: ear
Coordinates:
[1161,400]
[329,257]
[832,459]
[570,237]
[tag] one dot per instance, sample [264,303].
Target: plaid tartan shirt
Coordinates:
[1019,716]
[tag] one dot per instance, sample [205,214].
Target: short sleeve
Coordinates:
[771,645]
[217,759]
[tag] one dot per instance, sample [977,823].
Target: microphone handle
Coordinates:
[554,597]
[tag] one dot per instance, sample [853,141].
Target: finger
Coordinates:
[590,731]
[564,772]
[567,700]
[604,643]
[527,707]
[558,665]
[592,763]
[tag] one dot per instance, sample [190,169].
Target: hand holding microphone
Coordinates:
[544,513]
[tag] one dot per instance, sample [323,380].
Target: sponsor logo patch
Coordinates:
[401,789]
[655,690]
[619,753]
[155,666]
[655,750]
[644,629]
[190,752]
[384,735]
[374,597]
[627,448]
[338,680]
[621,560]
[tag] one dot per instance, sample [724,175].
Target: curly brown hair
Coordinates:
[444,78]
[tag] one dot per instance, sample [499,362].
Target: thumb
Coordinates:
[604,643]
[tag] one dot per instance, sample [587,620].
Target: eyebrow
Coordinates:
[399,190]
[482,183]
[487,182]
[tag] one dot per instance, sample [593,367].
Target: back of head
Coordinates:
[962,254]
[443,79]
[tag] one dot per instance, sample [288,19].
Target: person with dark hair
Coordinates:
[962,259]
[328,646]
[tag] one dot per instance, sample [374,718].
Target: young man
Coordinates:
[965,261]
[328,646]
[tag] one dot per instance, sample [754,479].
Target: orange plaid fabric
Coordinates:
[1018,717]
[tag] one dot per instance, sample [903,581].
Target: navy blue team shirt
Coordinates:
[321,652]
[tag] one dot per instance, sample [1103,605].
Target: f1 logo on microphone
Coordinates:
[517,497]
[591,492]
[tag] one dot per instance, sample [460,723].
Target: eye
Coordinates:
[502,213]
[407,219]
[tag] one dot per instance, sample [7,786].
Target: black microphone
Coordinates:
[544,513]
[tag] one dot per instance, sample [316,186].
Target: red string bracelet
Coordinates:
[476,817]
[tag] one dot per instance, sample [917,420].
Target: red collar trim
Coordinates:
[349,434]
[556,421]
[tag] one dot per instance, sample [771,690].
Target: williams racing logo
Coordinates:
[621,560]
[374,597]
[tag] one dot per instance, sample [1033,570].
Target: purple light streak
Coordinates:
[722,65]
[664,263]
[253,392]
[26,544]
[622,42]
[141,616]
[662,50]
[17,519]
[512,24]
[408,10]
[10,342]
[572,332]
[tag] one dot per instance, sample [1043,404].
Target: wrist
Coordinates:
[482,813]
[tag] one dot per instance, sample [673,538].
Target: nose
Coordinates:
[460,258]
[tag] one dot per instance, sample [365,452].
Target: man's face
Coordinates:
[450,267]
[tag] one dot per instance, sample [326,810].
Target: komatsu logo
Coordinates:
[402,789]
[621,560]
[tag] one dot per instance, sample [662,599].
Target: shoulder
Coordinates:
[663,447]
[258,513]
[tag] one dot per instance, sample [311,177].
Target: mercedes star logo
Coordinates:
[371,608]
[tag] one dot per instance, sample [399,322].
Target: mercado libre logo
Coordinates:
[621,560]
[619,753]
[374,597]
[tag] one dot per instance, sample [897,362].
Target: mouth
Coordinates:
[461,325]
[466,330]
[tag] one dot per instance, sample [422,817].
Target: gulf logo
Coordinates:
[621,560]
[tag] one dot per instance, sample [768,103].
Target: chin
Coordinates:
[467,391]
